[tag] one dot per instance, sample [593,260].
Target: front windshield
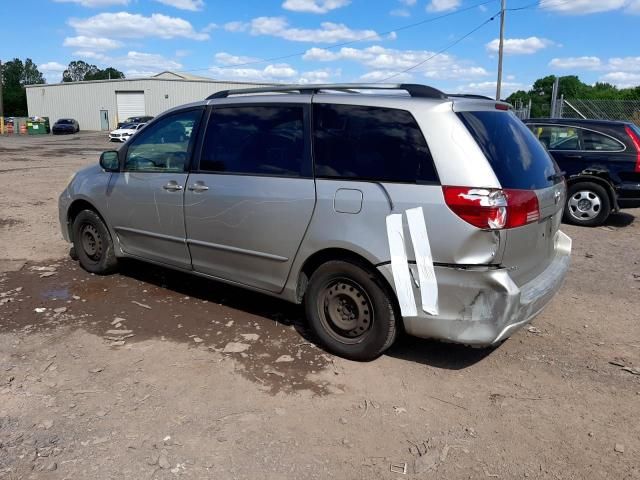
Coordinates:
[64,121]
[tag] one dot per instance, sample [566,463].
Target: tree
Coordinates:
[15,75]
[108,73]
[77,71]
[572,88]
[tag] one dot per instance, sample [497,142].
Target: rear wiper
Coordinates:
[557,176]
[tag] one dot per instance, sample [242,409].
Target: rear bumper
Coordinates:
[483,306]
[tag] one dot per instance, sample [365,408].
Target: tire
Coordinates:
[92,244]
[588,205]
[349,310]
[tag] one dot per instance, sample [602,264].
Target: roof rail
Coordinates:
[469,95]
[415,90]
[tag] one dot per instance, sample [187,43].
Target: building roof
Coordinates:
[167,75]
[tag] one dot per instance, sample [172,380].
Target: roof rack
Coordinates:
[469,95]
[415,90]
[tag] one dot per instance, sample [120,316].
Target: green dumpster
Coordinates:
[39,126]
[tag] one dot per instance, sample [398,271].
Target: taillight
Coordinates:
[493,209]
[636,143]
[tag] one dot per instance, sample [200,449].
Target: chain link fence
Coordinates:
[626,110]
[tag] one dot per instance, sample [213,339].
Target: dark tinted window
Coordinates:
[258,140]
[518,159]
[370,143]
[594,141]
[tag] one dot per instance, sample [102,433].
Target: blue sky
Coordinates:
[333,40]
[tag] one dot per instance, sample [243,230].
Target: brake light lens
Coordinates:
[636,143]
[493,209]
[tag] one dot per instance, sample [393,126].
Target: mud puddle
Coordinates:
[265,336]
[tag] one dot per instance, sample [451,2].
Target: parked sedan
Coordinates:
[142,119]
[127,131]
[65,125]
[601,159]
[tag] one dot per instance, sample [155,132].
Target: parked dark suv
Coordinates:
[141,119]
[602,164]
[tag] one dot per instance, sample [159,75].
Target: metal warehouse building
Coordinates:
[101,104]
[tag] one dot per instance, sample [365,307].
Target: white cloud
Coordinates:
[270,73]
[96,3]
[381,75]
[629,64]
[519,46]
[192,5]
[400,12]
[52,67]
[280,70]
[91,43]
[129,25]
[583,7]
[150,61]
[89,54]
[225,58]
[572,63]
[328,33]
[633,6]
[236,27]
[390,61]
[408,3]
[182,53]
[622,79]
[443,5]
[314,6]
[319,76]
[489,88]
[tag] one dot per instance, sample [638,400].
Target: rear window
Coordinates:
[518,159]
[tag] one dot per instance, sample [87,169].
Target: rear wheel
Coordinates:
[588,205]
[349,310]
[92,243]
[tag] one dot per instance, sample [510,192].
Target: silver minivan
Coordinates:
[381,208]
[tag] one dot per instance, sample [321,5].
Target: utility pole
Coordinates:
[501,49]
[1,104]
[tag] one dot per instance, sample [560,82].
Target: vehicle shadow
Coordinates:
[427,352]
[620,220]
[447,356]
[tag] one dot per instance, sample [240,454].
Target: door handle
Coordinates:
[172,186]
[198,188]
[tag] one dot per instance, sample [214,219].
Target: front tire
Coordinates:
[350,311]
[588,205]
[93,244]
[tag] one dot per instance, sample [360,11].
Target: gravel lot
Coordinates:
[216,382]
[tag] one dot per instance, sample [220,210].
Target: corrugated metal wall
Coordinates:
[84,100]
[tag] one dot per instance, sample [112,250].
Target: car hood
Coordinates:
[122,130]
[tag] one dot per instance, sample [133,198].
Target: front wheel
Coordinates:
[92,244]
[349,310]
[588,205]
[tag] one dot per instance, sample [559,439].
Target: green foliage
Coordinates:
[79,71]
[15,75]
[571,87]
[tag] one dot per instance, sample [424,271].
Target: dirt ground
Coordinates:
[201,380]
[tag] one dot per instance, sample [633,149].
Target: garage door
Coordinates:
[130,104]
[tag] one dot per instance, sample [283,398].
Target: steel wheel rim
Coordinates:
[91,241]
[585,205]
[346,310]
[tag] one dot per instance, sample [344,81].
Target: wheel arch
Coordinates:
[603,182]
[76,207]
[314,261]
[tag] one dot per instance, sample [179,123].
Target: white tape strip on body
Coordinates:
[400,266]
[424,260]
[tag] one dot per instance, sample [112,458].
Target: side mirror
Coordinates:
[109,161]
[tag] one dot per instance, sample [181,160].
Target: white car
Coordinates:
[125,133]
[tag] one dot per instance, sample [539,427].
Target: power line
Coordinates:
[351,42]
[439,52]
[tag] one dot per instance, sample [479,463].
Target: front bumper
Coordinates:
[483,306]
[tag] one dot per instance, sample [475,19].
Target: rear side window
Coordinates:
[370,143]
[594,141]
[557,137]
[518,159]
[258,140]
